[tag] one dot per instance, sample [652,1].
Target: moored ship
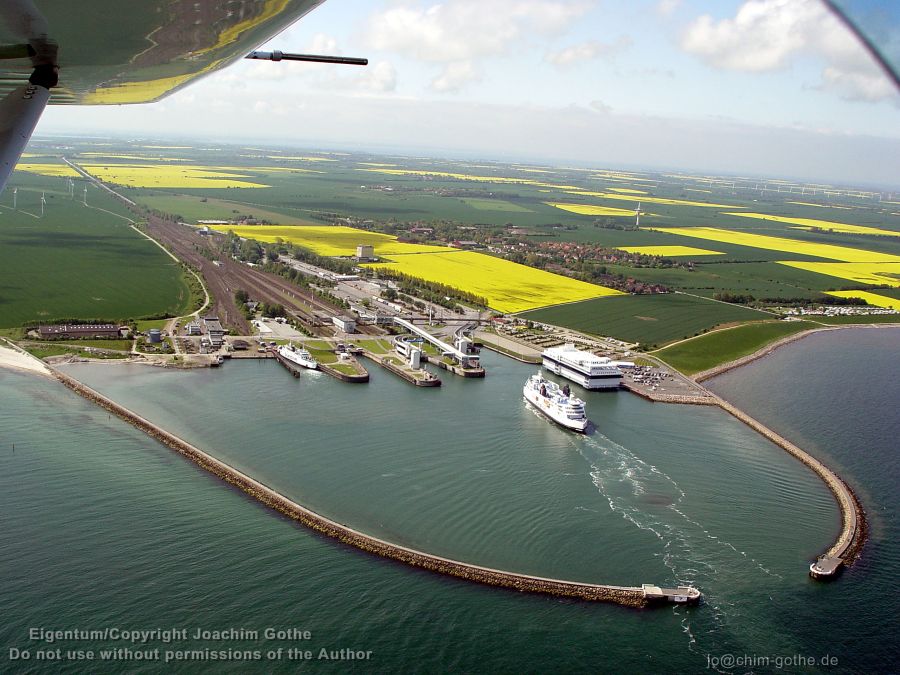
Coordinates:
[586,369]
[300,357]
[556,403]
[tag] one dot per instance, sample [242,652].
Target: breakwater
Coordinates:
[853,530]
[632,596]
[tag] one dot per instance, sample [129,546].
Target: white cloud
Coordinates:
[667,7]
[455,75]
[381,77]
[458,33]
[768,35]
[585,51]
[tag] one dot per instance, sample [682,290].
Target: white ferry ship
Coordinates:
[299,356]
[584,368]
[556,403]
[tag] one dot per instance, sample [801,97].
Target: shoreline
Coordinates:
[771,347]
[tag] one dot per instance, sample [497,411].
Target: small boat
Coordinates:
[301,357]
[556,403]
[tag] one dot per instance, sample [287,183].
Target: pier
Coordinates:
[630,596]
[295,370]
[469,364]
[419,378]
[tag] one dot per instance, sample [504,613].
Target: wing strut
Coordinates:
[315,58]
[21,109]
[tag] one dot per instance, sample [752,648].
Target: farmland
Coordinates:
[831,251]
[329,240]
[80,262]
[706,351]
[48,169]
[670,251]
[509,287]
[820,224]
[770,240]
[168,176]
[649,319]
[874,299]
[494,205]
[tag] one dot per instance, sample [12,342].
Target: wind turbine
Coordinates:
[71,189]
[43,203]
[637,215]
[85,195]
[15,192]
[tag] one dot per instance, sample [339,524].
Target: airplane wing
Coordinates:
[96,52]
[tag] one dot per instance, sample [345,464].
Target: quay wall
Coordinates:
[343,377]
[623,595]
[387,365]
[685,399]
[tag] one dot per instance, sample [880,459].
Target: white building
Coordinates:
[344,323]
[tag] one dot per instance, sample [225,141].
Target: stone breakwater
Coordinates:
[853,531]
[624,595]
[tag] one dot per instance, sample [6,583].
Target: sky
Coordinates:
[743,87]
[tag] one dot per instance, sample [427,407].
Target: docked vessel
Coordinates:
[586,369]
[556,403]
[301,357]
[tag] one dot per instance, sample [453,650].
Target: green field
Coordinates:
[495,205]
[648,319]
[78,262]
[708,351]
[391,194]
[192,209]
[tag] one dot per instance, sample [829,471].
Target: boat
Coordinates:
[556,403]
[301,357]
[583,368]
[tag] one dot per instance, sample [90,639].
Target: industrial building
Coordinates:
[68,330]
[365,253]
[344,323]
[214,331]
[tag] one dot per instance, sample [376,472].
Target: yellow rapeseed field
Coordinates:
[168,176]
[649,200]
[850,229]
[829,251]
[591,209]
[60,170]
[876,273]
[470,177]
[821,224]
[872,298]
[328,240]
[509,287]
[668,251]
[629,191]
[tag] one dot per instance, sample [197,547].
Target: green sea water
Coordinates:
[102,527]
